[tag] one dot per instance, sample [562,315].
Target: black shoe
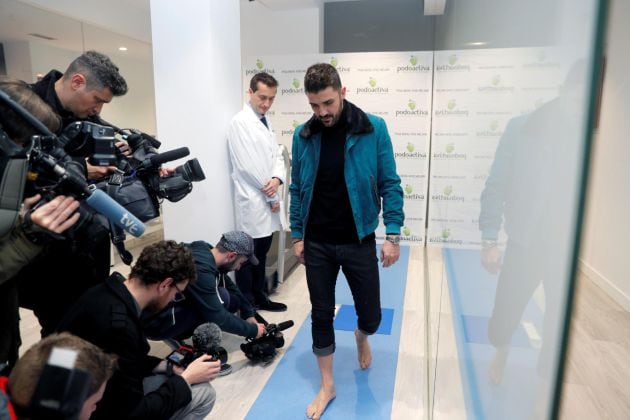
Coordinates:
[272,306]
[226,369]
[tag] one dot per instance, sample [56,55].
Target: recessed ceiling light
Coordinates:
[476,44]
[122,48]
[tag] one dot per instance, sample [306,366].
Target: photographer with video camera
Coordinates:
[108,315]
[79,262]
[43,375]
[24,228]
[214,297]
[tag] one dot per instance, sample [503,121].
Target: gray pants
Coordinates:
[203,398]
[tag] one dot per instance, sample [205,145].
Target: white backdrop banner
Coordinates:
[454,103]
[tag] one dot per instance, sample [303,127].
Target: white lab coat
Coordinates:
[256,158]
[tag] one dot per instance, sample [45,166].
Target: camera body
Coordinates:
[184,355]
[91,140]
[263,349]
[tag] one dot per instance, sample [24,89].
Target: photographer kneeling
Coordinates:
[214,297]
[108,315]
[23,235]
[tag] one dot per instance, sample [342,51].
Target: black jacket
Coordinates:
[107,316]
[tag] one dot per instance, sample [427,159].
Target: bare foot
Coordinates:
[363,349]
[317,407]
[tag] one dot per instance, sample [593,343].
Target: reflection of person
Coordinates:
[28,370]
[83,260]
[213,297]
[333,222]
[527,192]
[257,171]
[23,241]
[108,315]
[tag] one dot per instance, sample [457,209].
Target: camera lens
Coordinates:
[191,171]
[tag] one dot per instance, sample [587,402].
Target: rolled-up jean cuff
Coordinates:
[364,332]
[324,351]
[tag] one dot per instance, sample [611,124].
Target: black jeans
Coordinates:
[360,266]
[251,278]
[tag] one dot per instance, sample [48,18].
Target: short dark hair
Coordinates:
[164,259]
[320,76]
[15,126]
[264,78]
[28,369]
[99,72]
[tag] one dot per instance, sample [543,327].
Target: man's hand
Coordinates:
[124,148]
[202,369]
[389,253]
[56,216]
[97,172]
[261,327]
[271,187]
[275,207]
[164,172]
[298,251]
[491,259]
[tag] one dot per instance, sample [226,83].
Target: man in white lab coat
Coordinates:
[257,171]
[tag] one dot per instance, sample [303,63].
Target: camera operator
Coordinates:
[63,273]
[108,315]
[214,297]
[27,373]
[23,239]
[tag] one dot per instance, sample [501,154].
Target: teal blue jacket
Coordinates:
[369,171]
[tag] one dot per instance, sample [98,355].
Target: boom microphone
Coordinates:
[284,325]
[116,213]
[158,159]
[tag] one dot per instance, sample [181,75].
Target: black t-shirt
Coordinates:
[330,219]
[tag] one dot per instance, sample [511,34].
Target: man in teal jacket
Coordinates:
[343,168]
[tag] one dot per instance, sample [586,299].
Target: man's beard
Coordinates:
[154,306]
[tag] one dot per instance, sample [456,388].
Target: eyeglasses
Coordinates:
[179,296]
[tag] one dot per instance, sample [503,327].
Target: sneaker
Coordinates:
[272,306]
[226,369]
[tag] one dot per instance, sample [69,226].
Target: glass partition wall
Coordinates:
[513,105]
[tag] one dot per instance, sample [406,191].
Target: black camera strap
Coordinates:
[117,234]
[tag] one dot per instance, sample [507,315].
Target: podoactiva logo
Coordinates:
[372,88]
[491,131]
[452,65]
[496,85]
[451,110]
[410,195]
[447,195]
[449,153]
[413,66]
[444,237]
[294,89]
[410,153]
[335,63]
[259,68]
[290,131]
[412,110]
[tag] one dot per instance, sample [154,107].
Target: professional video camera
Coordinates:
[51,172]
[263,349]
[206,340]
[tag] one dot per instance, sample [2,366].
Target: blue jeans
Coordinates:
[360,266]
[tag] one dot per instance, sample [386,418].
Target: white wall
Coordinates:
[605,248]
[197,72]
[271,32]
[18,59]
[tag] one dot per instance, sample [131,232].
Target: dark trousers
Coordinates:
[251,278]
[360,266]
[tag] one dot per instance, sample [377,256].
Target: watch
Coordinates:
[395,239]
